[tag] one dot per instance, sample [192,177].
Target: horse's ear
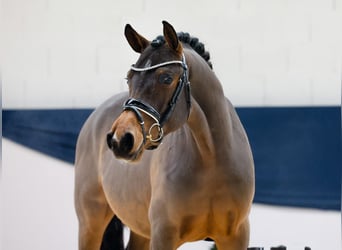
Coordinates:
[137,41]
[171,37]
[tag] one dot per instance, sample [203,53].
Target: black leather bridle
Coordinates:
[138,106]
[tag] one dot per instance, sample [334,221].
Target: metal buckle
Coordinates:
[160,133]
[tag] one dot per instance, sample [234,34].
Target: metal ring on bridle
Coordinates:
[160,133]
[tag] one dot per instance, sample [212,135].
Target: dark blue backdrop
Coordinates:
[297,150]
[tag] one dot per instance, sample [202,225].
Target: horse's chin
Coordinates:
[132,157]
[136,156]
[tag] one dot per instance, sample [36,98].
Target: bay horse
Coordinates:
[170,158]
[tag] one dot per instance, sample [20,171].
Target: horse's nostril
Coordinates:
[122,147]
[126,143]
[110,140]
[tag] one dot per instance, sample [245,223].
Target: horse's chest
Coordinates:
[128,193]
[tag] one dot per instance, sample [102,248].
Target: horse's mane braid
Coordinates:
[194,43]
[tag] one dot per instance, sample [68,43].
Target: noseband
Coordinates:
[138,106]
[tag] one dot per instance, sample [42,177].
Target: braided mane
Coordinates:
[194,43]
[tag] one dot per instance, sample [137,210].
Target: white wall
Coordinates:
[72,53]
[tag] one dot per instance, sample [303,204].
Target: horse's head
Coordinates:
[159,95]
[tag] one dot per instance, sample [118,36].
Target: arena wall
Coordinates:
[72,53]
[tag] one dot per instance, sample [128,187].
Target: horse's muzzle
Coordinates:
[124,147]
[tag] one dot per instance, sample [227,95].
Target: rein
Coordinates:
[138,106]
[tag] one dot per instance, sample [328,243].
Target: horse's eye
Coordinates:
[165,78]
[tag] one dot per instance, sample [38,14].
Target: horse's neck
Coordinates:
[210,120]
[200,130]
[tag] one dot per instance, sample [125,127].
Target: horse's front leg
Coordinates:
[93,220]
[237,241]
[163,237]
[92,211]
[137,242]
[163,231]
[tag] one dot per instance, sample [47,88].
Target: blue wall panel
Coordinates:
[297,150]
[297,155]
[53,132]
